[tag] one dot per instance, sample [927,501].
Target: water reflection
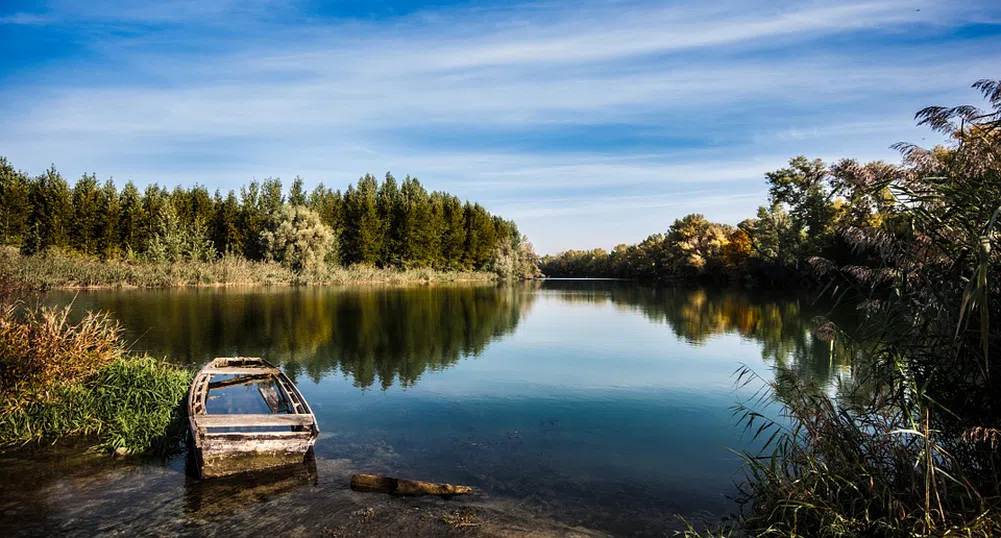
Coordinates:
[375,335]
[780,323]
[210,499]
[382,336]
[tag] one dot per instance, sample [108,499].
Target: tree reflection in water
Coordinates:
[381,336]
[780,323]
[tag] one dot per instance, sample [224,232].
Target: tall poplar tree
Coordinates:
[227,234]
[106,223]
[391,215]
[480,236]
[130,222]
[363,228]
[453,238]
[85,216]
[155,202]
[329,205]
[15,207]
[296,194]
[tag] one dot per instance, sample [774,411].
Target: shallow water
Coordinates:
[599,404]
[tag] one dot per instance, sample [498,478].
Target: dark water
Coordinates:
[600,404]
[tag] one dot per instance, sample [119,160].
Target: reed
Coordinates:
[907,444]
[60,379]
[56,269]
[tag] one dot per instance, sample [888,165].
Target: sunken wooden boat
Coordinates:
[231,442]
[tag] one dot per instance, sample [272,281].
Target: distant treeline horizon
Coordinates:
[380,223]
[811,205]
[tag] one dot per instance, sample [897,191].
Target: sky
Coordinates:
[588,123]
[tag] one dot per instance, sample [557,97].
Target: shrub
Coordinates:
[59,379]
[40,347]
[300,241]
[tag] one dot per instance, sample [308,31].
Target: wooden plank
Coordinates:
[270,396]
[260,436]
[242,380]
[241,370]
[232,421]
[238,443]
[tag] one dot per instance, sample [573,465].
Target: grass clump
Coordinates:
[40,348]
[60,379]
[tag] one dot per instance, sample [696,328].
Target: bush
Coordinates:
[300,241]
[39,348]
[59,379]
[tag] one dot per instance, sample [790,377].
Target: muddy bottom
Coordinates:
[76,493]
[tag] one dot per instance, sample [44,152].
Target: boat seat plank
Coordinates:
[252,436]
[241,370]
[230,421]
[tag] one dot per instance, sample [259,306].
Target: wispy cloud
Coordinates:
[581,113]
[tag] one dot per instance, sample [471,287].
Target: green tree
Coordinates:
[271,200]
[15,206]
[363,231]
[803,187]
[392,216]
[252,221]
[420,229]
[329,205]
[132,215]
[155,204]
[85,215]
[51,212]
[296,194]
[481,236]
[453,233]
[106,225]
[175,241]
[696,247]
[227,234]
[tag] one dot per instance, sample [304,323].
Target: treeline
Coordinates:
[383,224]
[809,202]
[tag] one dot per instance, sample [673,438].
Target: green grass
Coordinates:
[60,380]
[130,406]
[59,269]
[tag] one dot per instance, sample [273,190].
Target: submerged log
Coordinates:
[398,486]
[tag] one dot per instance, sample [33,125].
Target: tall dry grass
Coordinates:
[57,269]
[39,348]
[61,379]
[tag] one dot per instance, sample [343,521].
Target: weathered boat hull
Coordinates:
[227,444]
[240,453]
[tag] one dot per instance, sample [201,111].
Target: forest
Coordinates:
[809,203]
[386,224]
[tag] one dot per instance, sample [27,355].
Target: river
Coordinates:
[597,404]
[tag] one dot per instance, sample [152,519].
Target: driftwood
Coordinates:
[398,486]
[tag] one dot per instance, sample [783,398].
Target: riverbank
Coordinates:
[62,380]
[57,269]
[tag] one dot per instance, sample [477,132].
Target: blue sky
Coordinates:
[589,123]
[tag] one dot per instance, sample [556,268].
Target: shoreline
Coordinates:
[58,270]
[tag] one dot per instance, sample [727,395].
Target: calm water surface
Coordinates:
[600,404]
